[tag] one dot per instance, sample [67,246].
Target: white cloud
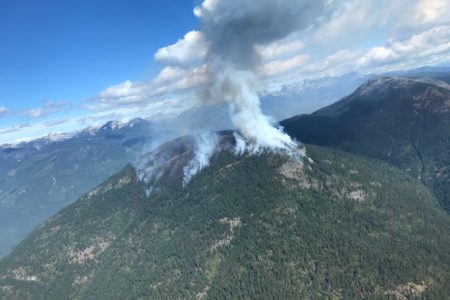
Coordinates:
[368,36]
[432,11]
[57,122]
[419,49]
[3,111]
[34,112]
[188,50]
[207,5]
[124,93]
[348,22]
[172,82]
[13,129]
[167,108]
[279,49]
[170,74]
[281,66]
[330,49]
[48,108]
[429,47]
[377,56]
[190,79]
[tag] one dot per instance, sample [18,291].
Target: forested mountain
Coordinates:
[40,177]
[261,227]
[405,122]
[331,225]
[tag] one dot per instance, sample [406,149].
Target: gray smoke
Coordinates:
[206,144]
[233,30]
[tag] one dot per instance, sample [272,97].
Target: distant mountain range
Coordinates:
[40,177]
[364,214]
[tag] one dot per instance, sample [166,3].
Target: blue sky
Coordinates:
[70,50]
[66,65]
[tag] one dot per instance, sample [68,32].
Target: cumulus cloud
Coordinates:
[170,74]
[329,38]
[432,11]
[166,92]
[277,67]
[278,42]
[422,48]
[430,47]
[427,47]
[188,50]
[125,93]
[192,78]
[279,49]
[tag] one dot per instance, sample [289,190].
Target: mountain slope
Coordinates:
[405,122]
[261,227]
[39,178]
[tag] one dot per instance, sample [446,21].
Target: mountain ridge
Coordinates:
[402,121]
[40,177]
[237,224]
[353,220]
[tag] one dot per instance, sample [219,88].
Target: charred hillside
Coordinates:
[259,227]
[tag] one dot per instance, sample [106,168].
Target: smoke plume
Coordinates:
[233,30]
[206,144]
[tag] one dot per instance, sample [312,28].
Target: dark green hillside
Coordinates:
[402,121]
[264,227]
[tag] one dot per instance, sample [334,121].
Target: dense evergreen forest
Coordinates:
[248,227]
[405,122]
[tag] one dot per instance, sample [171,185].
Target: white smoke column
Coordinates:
[206,144]
[246,113]
[233,30]
[241,145]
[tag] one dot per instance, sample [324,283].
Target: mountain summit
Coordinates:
[405,122]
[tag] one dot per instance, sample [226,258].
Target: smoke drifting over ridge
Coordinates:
[206,144]
[225,51]
[233,30]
